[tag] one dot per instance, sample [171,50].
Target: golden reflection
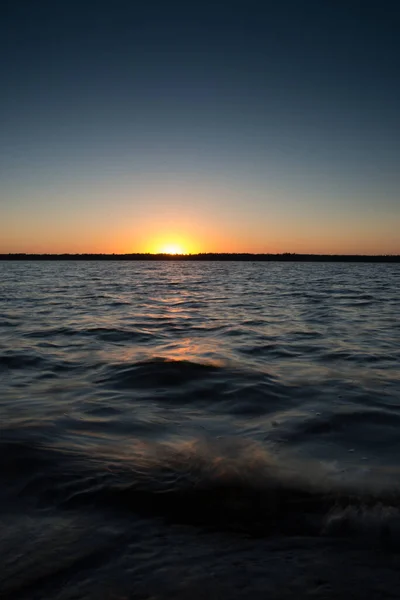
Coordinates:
[203,352]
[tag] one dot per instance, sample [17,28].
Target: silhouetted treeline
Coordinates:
[204,256]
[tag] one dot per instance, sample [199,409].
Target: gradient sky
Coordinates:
[263,126]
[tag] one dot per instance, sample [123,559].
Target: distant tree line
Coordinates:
[211,256]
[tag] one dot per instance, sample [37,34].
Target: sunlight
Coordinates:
[172,243]
[172,249]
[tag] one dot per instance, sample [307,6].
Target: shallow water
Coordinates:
[174,430]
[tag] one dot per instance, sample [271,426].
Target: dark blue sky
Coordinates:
[251,125]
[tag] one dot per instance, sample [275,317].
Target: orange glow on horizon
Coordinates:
[174,231]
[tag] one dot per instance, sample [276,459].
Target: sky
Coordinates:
[130,126]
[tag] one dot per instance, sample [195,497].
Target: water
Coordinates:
[202,430]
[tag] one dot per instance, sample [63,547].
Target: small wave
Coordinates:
[253,323]
[20,361]
[339,420]
[107,334]
[268,350]
[349,356]
[374,522]
[119,303]
[53,332]
[157,372]
[9,323]
[308,334]
[117,335]
[359,303]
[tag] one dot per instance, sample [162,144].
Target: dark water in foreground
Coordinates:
[206,430]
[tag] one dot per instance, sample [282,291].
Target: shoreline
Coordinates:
[214,257]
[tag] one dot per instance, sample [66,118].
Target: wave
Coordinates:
[157,371]
[107,334]
[9,322]
[223,388]
[343,418]
[268,350]
[51,332]
[226,485]
[117,335]
[20,360]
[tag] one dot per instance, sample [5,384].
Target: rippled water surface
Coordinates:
[199,429]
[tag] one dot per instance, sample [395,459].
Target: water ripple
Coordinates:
[259,399]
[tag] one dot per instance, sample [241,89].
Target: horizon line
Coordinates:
[243,256]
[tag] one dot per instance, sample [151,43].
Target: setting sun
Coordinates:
[172,244]
[172,249]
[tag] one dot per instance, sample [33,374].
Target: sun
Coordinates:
[172,249]
[172,245]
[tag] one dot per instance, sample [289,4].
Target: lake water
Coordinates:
[199,430]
